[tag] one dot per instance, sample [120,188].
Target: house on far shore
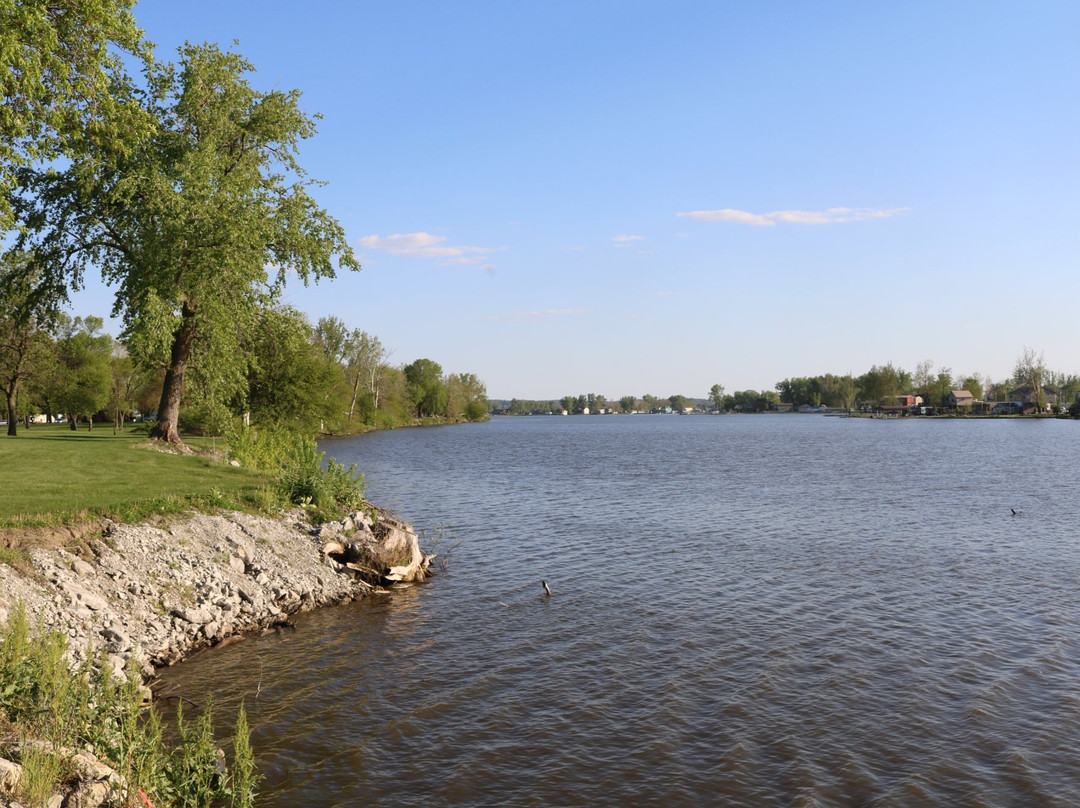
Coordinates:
[1029,397]
[960,398]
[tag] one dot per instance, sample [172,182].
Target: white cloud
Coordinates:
[425,245]
[830,216]
[625,241]
[534,315]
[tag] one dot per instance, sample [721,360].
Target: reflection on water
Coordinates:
[789,610]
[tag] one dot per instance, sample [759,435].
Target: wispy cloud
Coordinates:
[427,246]
[534,315]
[830,216]
[625,240]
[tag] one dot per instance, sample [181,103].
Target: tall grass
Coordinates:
[296,463]
[52,709]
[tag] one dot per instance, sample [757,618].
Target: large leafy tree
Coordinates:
[62,59]
[427,391]
[197,226]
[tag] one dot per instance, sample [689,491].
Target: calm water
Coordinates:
[755,611]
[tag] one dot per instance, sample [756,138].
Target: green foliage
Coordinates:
[297,464]
[52,707]
[27,312]
[466,397]
[243,781]
[716,395]
[426,388]
[43,769]
[197,225]
[304,479]
[883,384]
[291,378]
[61,71]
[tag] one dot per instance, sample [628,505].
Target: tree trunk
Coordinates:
[355,392]
[12,400]
[173,388]
[73,422]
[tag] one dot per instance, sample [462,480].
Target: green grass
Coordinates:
[52,476]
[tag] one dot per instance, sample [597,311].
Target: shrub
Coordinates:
[298,465]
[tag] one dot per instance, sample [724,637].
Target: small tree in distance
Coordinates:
[716,395]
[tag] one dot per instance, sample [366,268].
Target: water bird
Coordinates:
[546,588]
[1015,512]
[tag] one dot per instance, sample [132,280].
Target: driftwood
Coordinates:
[387,551]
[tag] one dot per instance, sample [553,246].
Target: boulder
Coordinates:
[11,775]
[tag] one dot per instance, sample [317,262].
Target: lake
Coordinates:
[779,610]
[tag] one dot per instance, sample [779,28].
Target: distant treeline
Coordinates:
[881,385]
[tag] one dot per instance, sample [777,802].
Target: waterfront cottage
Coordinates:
[960,398]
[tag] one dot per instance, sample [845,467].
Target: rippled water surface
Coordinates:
[747,610]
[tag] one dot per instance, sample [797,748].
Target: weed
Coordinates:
[51,708]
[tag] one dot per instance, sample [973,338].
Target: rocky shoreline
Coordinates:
[150,595]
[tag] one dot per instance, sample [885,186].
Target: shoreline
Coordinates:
[151,596]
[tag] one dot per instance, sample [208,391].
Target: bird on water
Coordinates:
[546,588]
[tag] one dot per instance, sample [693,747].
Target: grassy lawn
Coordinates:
[50,475]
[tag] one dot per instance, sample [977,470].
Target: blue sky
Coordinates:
[631,197]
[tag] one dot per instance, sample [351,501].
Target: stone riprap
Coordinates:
[149,595]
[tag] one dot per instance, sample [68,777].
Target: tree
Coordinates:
[800,390]
[567,403]
[940,388]
[188,221]
[290,378]
[883,384]
[26,313]
[838,391]
[426,388]
[626,403]
[678,403]
[61,63]
[1030,371]
[366,358]
[466,396]
[85,377]
[129,384]
[716,395]
[973,385]
[648,402]
[333,336]
[923,378]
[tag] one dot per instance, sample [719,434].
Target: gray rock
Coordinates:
[84,598]
[196,617]
[82,568]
